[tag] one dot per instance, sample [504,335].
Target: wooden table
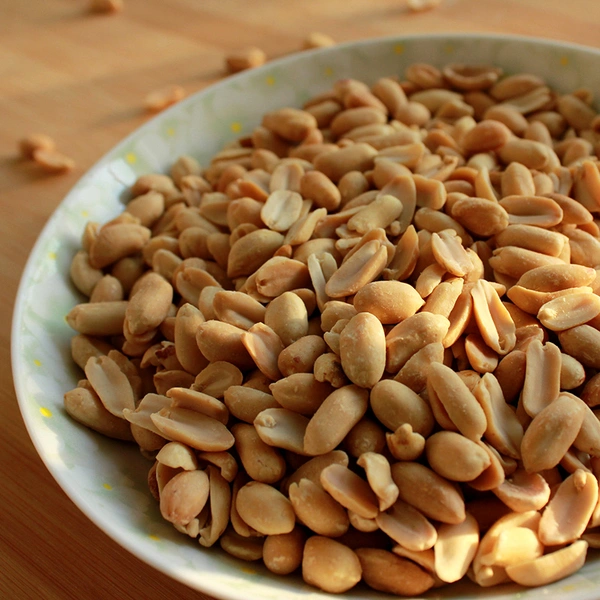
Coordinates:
[81,78]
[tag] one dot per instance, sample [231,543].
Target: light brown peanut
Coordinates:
[480,216]
[265,508]
[200,402]
[317,509]
[282,553]
[301,392]
[84,276]
[262,462]
[148,307]
[111,384]
[407,526]
[503,431]
[282,428]
[377,469]
[193,428]
[329,565]
[290,123]
[486,136]
[395,404]
[281,274]
[251,251]
[455,457]
[245,403]
[334,418]
[53,161]
[357,157]
[184,496]
[551,433]
[85,406]
[435,497]
[387,572]
[582,342]
[461,405]
[350,490]
[115,242]
[221,341]
[246,58]
[362,350]
[576,495]
[158,100]
[455,548]
[523,491]
[281,209]
[550,567]
[360,268]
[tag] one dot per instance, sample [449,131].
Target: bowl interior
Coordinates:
[107,479]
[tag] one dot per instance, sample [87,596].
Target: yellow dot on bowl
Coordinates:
[52,255]
[328,71]
[249,571]
[170,131]
[37,363]
[107,486]
[45,412]
[270,80]
[85,214]
[564,61]
[399,49]
[131,158]
[154,537]
[236,127]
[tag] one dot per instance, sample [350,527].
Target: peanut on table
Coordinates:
[364,342]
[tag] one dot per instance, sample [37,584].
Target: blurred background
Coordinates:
[81,76]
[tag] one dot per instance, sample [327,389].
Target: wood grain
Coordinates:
[81,78]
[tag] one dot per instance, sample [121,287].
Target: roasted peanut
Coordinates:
[282,553]
[265,508]
[85,406]
[246,58]
[329,565]
[551,433]
[158,100]
[317,509]
[387,572]
[334,418]
[262,462]
[455,548]
[435,497]
[350,490]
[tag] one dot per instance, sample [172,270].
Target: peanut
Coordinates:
[246,58]
[329,565]
[265,508]
[387,572]
[162,98]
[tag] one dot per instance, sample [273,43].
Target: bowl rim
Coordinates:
[72,492]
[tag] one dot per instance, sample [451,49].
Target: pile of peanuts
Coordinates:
[363,343]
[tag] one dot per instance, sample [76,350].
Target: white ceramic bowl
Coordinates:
[107,479]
